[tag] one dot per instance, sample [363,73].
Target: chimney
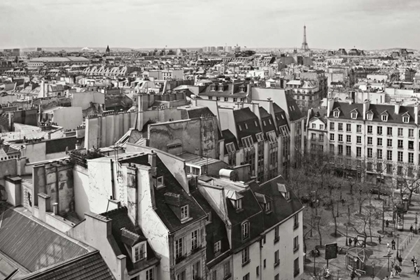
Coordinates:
[44,203]
[330,104]
[366,106]
[397,107]
[55,208]
[416,113]
[121,267]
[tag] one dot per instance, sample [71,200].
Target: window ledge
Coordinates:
[276,264]
[245,263]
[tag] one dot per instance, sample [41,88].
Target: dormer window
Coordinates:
[217,247]
[406,119]
[353,115]
[282,189]
[159,182]
[185,212]
[139,252]
[245,230]
[336,113]
[238,204]
[370,116]
[260,137]
[268,207]
[384,117]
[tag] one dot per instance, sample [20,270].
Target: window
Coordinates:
[411,145]
[313,136]
[369,129]
[400,156]
[369,140]
[384,117]
[217,247]
[240,127]
[226,98]
[411,132]
[340,126]
[321,126]
[184,212]
[257,270]
[359,128]
[400,132]
[139,252]
[359,139]
[332,136]
[348,138]
[277,277]
[256,123]
[265,263]
[196,270]
[181,276]
[246,277]
[369,152]
[406,119]
[296,244]
[226,268]
[340,149]
[214,275]
[238,204]
[399,170]
[194,239]
[296,268]
[389,168]
[179,247]
[332,126]
[230,148]
[160,181]
[336,114]
[389,131]
[379,130]
[245,256]
[389,155]
[353,115]
[410,158]
[348,150]
[245,230]
[379,154]
[276,258]
[259,136]
[379,141]
[340,137]
[400,144]
[296,221]
[348,127]
[370,116]
[358,152]
[276,234]
[410,171]
[389,142]
[379,167]
[321,138]
[268,207]
[247,142]
[150,274]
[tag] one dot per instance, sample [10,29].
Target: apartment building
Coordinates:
[370,140]
[262,229]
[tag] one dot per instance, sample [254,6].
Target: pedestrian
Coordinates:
[355,241]
[379,239]
[386,223]
[400,259]
[393,244]
[411,228]
[415,268]
[350,241]
[413,259]
[418,272]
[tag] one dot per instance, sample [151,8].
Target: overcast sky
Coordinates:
[365,24]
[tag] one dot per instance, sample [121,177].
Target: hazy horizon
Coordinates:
[145,24]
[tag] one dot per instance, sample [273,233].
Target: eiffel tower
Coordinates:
[305,46]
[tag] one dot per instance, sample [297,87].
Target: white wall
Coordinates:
[68,117]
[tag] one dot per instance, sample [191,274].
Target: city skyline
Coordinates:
[186,23]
